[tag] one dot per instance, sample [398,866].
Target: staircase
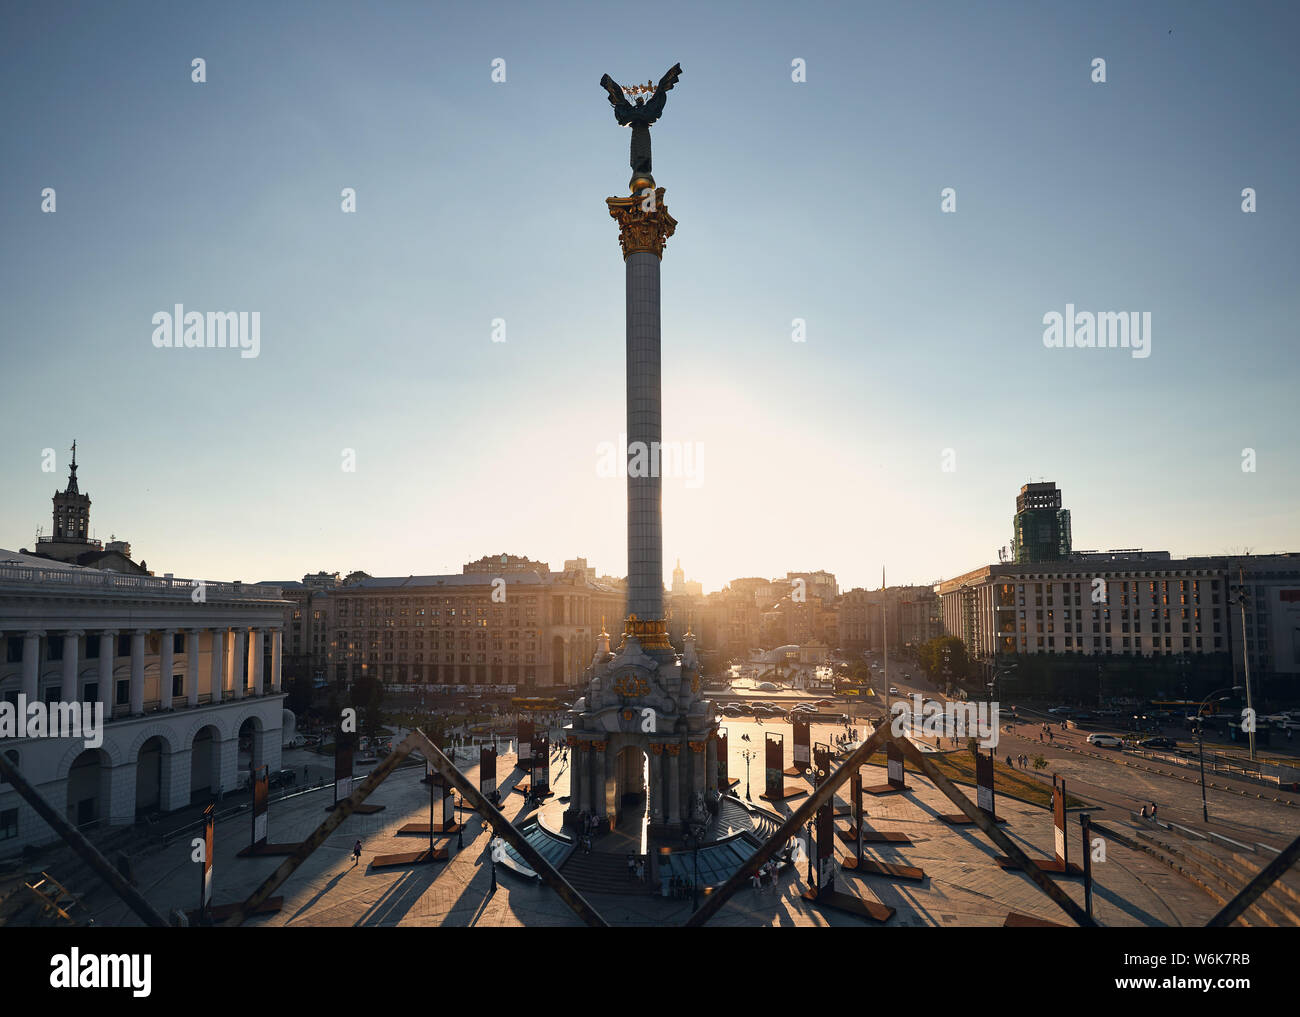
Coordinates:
[602,872]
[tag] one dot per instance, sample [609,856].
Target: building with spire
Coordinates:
[71,542]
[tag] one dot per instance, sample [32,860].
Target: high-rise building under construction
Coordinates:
[1041,528]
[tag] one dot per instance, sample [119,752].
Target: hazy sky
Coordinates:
[817,200]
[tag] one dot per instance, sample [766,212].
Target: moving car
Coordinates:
[1157,743]
[1105,741]
[893,691]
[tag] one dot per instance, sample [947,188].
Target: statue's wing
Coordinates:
[669,79]
[622,108]
[612,87]
[655,106]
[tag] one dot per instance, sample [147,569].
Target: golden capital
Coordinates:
[651,633]
[644,224]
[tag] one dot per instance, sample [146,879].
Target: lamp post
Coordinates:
[1200,742]
[1240,599]
[1005,672]
[748,754]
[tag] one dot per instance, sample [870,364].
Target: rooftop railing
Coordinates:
[90,579]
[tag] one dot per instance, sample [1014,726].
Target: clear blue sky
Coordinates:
[816,200]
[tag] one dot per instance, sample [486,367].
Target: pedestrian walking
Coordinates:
[640,870]
[356,853]
[1153,810]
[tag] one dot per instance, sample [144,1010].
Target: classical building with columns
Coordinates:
[183,668]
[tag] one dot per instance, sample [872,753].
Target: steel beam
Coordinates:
[78,842]
[1252,890]
[418,740]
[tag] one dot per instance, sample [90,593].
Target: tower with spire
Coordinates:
[71,542]
[72,510]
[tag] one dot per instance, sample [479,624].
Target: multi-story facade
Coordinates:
[182,669]
[911,613]
[518,624]
[1128,604]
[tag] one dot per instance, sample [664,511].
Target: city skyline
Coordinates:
[924,343]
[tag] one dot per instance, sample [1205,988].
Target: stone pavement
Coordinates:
[964,885]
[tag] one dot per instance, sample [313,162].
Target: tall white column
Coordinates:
[257,649]
[192,678]
[277,643]
[107,658]
[166,665]
[137,672]
[238,662]
[218,663]
[71,693]
[32,664]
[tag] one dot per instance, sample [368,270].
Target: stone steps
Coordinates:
[602,873]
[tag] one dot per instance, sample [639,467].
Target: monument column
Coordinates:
[644,226]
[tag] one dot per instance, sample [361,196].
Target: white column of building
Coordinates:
[71,692]
[192,678]
[175,790]
[107,658]
[166,664]
[218,663]
[238,663]
[257,649]
[277,641]
[137,674]
[121,794]
[32,664]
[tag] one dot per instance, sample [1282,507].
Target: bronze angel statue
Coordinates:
[640,116]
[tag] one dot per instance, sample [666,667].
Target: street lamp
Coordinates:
[1005,672]
[748,754]
[1241,598]
[1200,741]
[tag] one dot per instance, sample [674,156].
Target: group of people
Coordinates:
[1151,814]
[588,825]
[1022,760]
[764,875]
[636,868]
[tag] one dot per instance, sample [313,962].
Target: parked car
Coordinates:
[283,778]
[1061,710]
[893,691]
[1105,741]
